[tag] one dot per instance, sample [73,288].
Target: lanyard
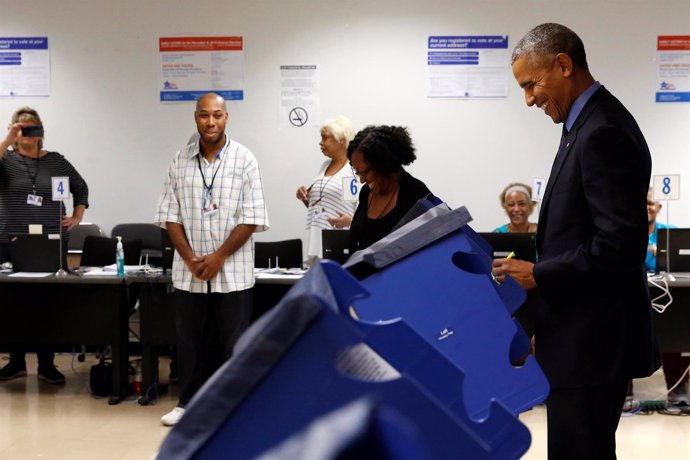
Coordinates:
[28,170]
[207,188]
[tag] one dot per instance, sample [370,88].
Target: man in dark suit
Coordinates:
[593,327]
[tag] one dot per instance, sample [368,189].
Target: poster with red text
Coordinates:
[673,60]
[193,66]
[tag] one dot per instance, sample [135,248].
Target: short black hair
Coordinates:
[385,148]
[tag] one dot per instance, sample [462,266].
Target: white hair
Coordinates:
[341,129]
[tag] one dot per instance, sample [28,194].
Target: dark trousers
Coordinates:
[674,367]
[208,325]
[44,354]
[582,422]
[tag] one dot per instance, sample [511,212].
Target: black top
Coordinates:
[18,174]
[365,231]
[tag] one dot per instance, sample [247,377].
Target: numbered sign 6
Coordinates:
[351,188]
[60,188]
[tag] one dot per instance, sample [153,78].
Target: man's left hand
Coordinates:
[209,266]
[521,271]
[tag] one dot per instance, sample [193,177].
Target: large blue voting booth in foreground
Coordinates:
[411,362]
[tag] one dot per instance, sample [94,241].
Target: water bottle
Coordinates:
[120,258]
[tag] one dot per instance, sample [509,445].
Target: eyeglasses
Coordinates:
[362,173]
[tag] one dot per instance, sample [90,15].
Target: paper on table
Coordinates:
[32,274]
[112,269]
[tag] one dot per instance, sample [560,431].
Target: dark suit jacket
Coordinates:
[593,323]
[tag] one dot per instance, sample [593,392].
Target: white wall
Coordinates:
[104,113]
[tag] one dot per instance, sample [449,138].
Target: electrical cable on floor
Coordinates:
[82,379]
[667,392]
[659,405]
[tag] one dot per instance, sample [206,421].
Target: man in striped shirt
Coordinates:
[211,205]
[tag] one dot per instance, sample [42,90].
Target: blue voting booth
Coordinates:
[411,362]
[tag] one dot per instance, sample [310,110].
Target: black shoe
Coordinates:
[50,375]
[12,371]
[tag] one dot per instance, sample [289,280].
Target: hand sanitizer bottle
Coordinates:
[120,258]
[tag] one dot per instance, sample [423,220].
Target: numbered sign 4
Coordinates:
[60,188]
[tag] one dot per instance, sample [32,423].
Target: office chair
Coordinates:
[99,251]
[150,236]
[79,233]
[284,254]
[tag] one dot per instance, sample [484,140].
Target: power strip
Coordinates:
[653,405]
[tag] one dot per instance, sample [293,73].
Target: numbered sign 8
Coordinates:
[60,188]
[666,187]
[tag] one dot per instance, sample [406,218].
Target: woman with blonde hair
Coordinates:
[324,198]
[26,170]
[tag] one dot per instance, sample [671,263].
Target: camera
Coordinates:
[32,131]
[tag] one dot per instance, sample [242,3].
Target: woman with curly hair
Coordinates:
[378,154]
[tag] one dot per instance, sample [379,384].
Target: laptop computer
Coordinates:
[36,253]
[524,245]
[335,245]
[677,259]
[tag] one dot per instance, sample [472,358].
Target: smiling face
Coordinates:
[363,169]
[518,207]
[546,83]
[653,208]
[211,117]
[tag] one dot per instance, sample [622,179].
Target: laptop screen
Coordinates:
[524,245]
[36,253]
[677,258]
[335,245]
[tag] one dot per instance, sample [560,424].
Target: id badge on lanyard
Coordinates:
[34,200]
[210,208]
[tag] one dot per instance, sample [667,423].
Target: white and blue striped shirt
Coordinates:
[238,194]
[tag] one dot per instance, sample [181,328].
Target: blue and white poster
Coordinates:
[467,67]
[24,66]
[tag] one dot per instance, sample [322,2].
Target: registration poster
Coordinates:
[673,60]
[193,66]
[467,66]
[24,66]
[299,96]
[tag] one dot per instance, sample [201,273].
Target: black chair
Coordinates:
[99,251]
[150,236]
[79,233]
[284,254]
